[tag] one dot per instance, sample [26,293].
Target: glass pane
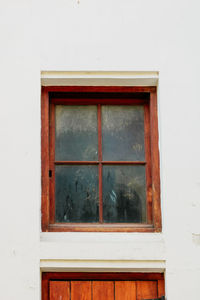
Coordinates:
[123,133]
[76,133]
[124,194]
[76,193]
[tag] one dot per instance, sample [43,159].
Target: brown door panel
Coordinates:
[59,290]
[91,286]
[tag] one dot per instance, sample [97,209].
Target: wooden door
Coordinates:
[105,290]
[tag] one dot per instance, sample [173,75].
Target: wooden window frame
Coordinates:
[109,276]
[151,156]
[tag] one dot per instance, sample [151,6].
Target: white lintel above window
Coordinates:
[99,78]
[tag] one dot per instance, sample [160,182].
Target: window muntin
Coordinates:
[131,205]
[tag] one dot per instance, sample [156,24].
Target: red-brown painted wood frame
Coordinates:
[63,276]
[151,156]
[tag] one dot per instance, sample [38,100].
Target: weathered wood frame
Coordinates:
[151,157]
[69,276]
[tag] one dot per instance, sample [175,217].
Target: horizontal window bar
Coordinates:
[101,227]
[99,224]
[76,162]
[104,101]
[98,162]
[123,162]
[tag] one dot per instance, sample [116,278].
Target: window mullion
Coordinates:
[148,164]
[52,164]
[100,163]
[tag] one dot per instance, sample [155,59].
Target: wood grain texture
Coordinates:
[59,290]
[101,286]
[51,164]
[125,290]
[155,163]
[100,164]
[161,287]
[77,162]
[45,287]
[148,164]
[103,290]
[45,158]
[81,290]
[146,290]
[111,227]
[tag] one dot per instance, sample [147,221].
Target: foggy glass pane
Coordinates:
[76,132]
[124,194]
[76,193]
[123,133]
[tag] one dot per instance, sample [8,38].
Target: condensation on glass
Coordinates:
[76,136]
[124,194]
[76,194]
[123,133]
[77,186]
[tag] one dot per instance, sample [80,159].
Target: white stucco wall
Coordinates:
[106,35]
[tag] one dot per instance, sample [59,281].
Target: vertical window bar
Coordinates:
[100,164]
[51,161]
[148,165]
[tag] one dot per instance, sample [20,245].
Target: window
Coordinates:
[100,159]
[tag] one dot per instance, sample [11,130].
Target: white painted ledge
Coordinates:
[99,78]
[102,246]
[101,266]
